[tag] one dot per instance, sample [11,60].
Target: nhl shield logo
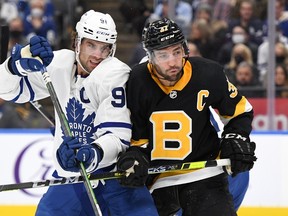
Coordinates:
[173,94]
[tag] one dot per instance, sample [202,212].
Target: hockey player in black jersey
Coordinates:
[169,97]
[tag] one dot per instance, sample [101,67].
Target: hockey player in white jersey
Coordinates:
[90,85]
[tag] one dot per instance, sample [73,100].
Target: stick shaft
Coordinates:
[43,112]
[4,42]
[67,132]
[114,175]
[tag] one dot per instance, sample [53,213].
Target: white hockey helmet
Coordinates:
[97,26]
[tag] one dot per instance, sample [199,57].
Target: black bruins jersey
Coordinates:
[174,122]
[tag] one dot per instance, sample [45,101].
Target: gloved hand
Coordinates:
[135,164]
[71,152]
[240,151]
[30,58]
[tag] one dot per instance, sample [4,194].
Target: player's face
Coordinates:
[168,63]
[92,53]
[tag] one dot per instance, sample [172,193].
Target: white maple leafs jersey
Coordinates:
[95,106]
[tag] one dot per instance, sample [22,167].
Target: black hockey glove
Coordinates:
[135,164]
[240,151]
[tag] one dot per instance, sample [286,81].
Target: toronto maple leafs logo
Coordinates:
[81,127]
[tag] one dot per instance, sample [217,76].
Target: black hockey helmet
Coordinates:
[162,33]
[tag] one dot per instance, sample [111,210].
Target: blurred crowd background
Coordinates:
[231,32]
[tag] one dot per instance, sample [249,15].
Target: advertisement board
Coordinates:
[260,121]
[25,156]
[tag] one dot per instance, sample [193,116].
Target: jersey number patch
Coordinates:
[119,96]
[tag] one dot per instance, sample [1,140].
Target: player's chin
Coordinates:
[91,67]
[174,76]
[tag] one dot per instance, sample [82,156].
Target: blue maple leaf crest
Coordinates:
[82,128]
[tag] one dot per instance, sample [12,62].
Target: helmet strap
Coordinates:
[112,50]
[78,43]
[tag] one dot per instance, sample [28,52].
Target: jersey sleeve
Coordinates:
[20,89]
[107,87]
[31,87]
[234,109]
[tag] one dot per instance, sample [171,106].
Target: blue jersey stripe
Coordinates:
[125,142]
[214,122]
[115,124]
[20,92]
[32,93]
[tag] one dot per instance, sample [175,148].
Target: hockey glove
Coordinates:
[30,58]
[240,151]
[135,165]
[71,152]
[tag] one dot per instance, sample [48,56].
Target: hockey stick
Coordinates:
[4,50]
[67,132]
[112,175]
[43,112]
[4,42]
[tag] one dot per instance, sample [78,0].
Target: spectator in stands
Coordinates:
[281,53]
[135,13]
[183,13]
[245,17]
[281,81]
[201,36]
[8,11]
[281,17]
[139,52]
[262,59]
[37,23]
[239,35]
[239,54]
[222,10]
[204,11]
[246,82]
[281,46]
[24,7]
[16,33]
[193,49]
[217,28]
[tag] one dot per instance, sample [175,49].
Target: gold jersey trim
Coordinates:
[183,81]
